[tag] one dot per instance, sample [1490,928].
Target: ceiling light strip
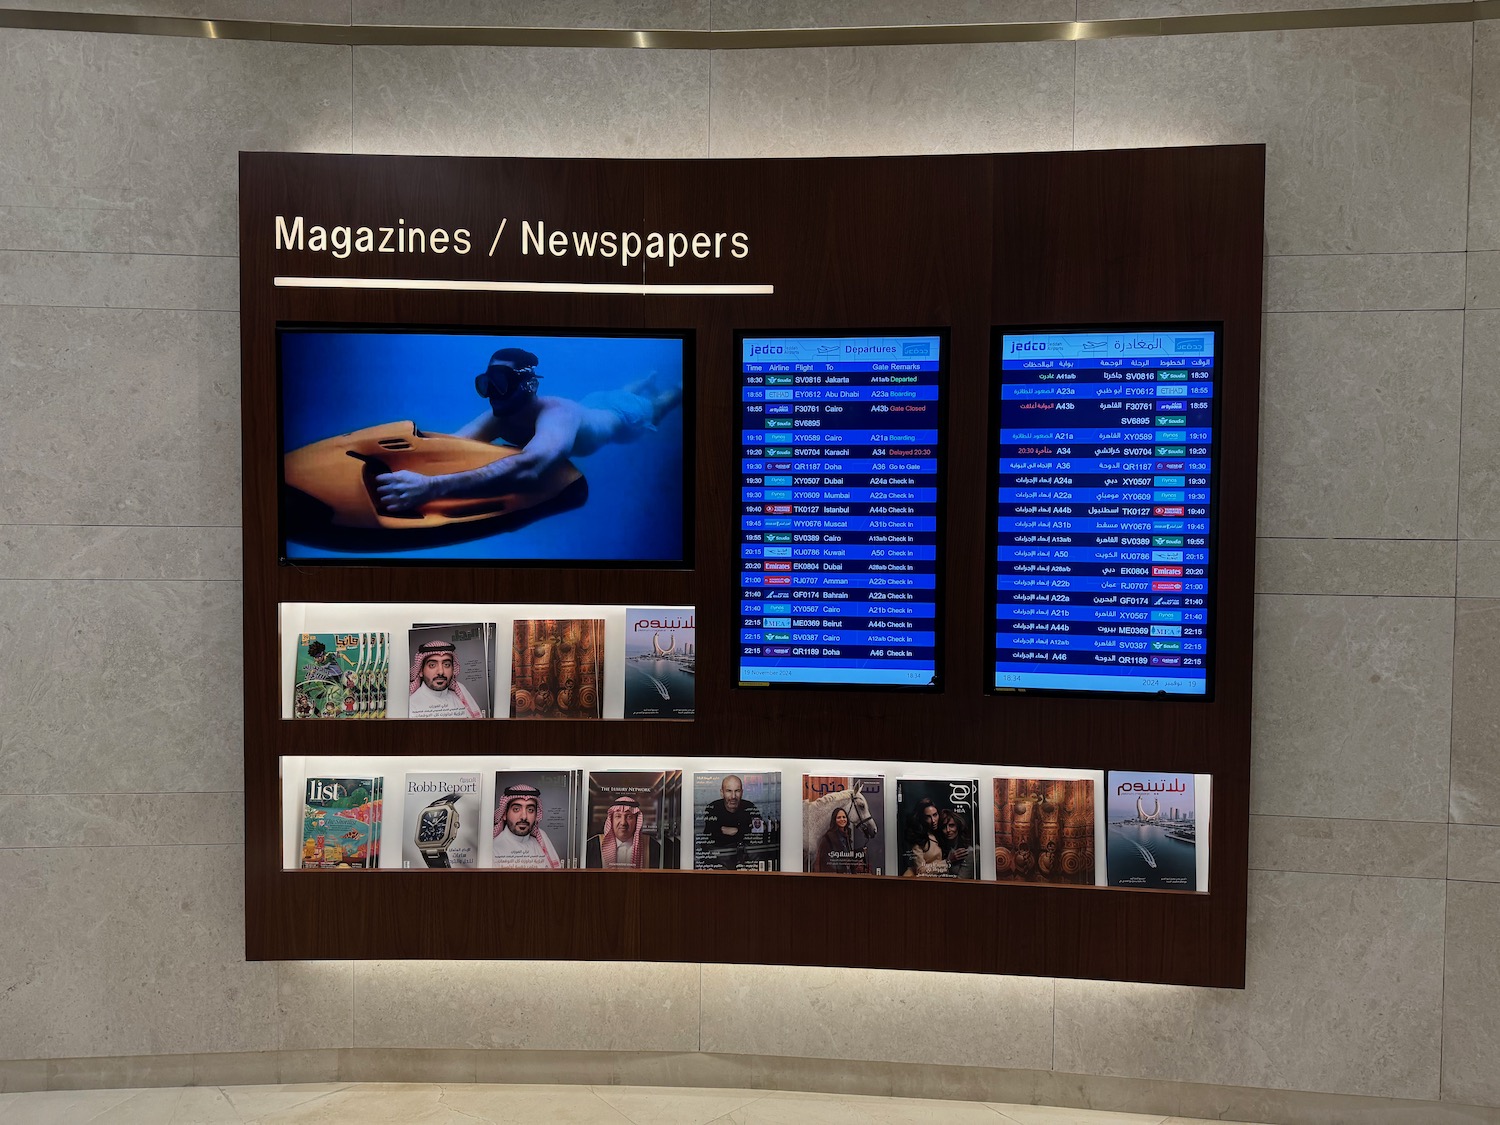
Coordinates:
[1453,11]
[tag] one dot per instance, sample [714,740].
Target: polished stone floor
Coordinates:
[432,1104]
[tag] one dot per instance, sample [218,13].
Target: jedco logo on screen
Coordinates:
[766,349]
[1028,345]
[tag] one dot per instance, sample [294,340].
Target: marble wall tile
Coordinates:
[314,1005]
[121,687]
[907,1017]
[1366,129]
[1483,284]
[72,221]
[852,101]
[1364,282]
[1478,568]
[1360,425]
[741,15]
[1349,847]
[537,1005]
[1415,567]
[130,281]
[61,820]
[152,127]
[292,11]
[1474,853]
[1479,466]
[509,101]
[1351,708]
[1484,164]
[119,417]
[1475,769]
[650,15]
[1471,995]
[54,551]
[1343,994]
[127,951]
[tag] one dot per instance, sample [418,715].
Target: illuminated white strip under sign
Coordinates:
[445,286]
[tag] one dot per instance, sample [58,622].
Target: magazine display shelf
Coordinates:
[961,244]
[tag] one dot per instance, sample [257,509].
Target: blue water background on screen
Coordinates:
[336,382]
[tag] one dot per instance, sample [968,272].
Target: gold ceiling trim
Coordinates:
[1464,11]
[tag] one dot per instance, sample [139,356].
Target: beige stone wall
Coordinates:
[1375,894]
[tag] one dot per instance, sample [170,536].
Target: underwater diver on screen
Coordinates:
[547,429]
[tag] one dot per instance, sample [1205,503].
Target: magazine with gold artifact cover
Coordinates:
[557,669]
[1044,830]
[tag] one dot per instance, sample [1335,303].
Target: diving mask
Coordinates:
[506,387]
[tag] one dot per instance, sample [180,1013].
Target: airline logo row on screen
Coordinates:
[849,349]
[1120,345]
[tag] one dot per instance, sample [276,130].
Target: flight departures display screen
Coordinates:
[840,519]
[1103,503]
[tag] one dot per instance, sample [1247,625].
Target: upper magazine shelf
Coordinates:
[389,660]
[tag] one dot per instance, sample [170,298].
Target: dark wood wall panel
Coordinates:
[961,243]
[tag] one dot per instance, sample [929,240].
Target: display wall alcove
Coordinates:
[960,244]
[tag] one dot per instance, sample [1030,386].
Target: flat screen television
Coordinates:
[840,441]
[480,447]
[1103,506]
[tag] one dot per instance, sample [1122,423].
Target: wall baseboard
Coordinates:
[722,1071]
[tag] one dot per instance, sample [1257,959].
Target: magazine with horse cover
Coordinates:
[535,819]
[557,669]
[341,675]
[660,660]
[341,822]
[1152,829]
[737,821]
[452,674]
[843,825]
[627,818]
[1044,830]
[937,820]
[440,825]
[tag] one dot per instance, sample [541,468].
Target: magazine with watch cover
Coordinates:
[737,821]
[1044,830]
[452,673]
[661,654]
[557,669]
[535,819]
[843,825]
[937,819]
[1152,830]
[629,819]
[341,822]
[441,821]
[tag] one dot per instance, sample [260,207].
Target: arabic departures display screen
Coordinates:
[1103,501]
[840,450]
